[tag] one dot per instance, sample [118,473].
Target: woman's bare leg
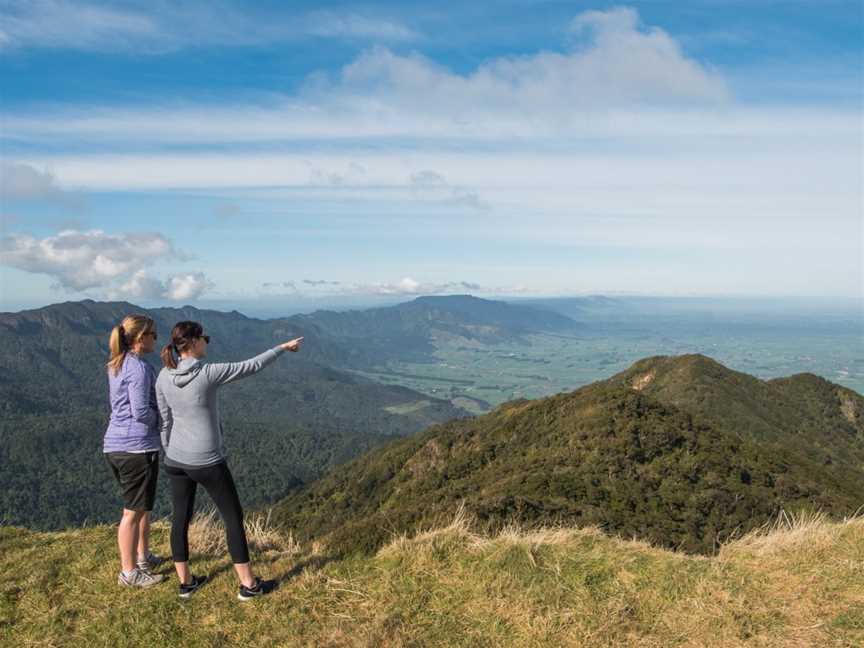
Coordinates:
[144,536]
[245,574]
[183,573]
[127,539]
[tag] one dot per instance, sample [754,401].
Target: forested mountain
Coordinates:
[680,451]
[286,426]
[820,422]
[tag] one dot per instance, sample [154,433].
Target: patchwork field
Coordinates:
[481,375]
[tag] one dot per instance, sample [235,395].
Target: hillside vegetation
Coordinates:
[798,584]
[679,451]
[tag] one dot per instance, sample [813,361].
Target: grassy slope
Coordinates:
[604,455]
[795,586]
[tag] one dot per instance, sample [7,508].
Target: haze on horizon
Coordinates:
[251,153]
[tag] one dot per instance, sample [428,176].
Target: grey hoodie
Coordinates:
[188,400]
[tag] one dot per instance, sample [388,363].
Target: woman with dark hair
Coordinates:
[188,396]
[132,444]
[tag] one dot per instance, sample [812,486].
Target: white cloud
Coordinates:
[161,26]
[114,263]
[62,23]
[279,285]
[432,186]
[335,25]
[624,81]
[320,282]
[177,287]
[337,175]
[410,286]
[26,182]
[84,259]
[404,286]
[139,285]
[187,286]
[621,66]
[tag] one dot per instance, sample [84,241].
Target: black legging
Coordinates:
[219,484]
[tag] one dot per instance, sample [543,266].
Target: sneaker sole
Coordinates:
[125,584]
[240,597]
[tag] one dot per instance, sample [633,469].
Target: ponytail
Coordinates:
[167,356]
[118,347]
[123,336]
[183,335]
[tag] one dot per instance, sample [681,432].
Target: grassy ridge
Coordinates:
[799,584]
[659,464]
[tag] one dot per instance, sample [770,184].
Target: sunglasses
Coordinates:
[153,333]
[206,338]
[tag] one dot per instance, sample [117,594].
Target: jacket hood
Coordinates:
[187,371]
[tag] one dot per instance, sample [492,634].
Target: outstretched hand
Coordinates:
[293,345]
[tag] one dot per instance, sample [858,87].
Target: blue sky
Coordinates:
[168,152]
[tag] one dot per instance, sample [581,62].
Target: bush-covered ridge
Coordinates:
[798,584]
[642,463]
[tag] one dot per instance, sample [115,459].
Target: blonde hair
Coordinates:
[124,335]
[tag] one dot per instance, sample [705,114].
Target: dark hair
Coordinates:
[182,336]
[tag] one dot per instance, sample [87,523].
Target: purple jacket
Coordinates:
[134,423]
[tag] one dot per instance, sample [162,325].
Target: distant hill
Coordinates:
[408,331]
[686,459]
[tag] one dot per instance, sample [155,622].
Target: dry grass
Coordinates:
[207,534]
[799,582]
[791,531]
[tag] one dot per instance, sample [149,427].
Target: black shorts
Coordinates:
[136,472]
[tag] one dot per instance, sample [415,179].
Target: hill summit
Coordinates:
[680,451]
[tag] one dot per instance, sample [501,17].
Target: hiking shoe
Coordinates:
[139,578]
[151,562]
[186,591]
[259,589]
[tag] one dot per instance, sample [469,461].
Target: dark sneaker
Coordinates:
[186,591]
[260,589]
[151,562]
[139,578]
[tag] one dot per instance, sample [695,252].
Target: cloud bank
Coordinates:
[617,66]
[114,264]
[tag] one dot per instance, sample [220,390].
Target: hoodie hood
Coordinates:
[187,371]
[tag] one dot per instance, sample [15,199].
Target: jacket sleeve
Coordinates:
[165,415]
[140,384]
[222,373]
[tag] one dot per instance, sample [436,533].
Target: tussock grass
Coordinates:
[797,582]
[207,534]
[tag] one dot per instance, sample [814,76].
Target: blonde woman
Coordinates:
[132,443]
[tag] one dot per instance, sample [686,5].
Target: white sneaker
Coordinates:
[151,562]
[139,578]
